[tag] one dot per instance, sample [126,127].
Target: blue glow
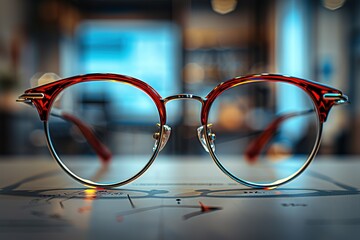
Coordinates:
[293,43]
[292,50]
[147,50]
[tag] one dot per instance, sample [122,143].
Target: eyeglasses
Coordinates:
[105,130]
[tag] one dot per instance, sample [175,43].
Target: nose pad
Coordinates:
[201,136]
[164,139]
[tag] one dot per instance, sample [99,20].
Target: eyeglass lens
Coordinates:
[265,131]
[103,131]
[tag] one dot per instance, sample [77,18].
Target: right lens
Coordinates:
[265,131]
[102,131]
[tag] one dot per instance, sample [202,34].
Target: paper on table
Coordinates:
[178,199]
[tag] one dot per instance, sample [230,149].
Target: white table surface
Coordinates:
[39,201]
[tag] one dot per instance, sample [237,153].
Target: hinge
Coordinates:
[339,98]
[27,97]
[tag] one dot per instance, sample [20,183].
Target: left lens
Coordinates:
[265,131]
[102,131]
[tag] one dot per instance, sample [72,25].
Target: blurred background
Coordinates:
[178,46]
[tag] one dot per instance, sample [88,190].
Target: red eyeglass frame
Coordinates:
[324,98]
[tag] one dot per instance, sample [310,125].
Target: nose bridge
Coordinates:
[184,96]
[200,130]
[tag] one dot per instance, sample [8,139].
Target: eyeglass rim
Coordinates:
[316,91]
[322,95]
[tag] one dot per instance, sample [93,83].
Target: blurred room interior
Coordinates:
[178,46]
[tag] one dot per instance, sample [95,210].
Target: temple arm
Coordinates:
[101,150]
[255,147]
